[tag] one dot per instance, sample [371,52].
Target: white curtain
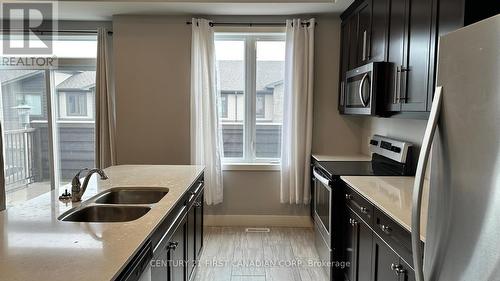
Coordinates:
[206,140]
[297,113]
[105,154]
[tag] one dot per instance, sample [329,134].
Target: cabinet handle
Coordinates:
[172,245]
[342,93]
[402,83]
[386,229]
[364,45]
[397,78]
[397,268]
[353,222]
[401,73]
[348,196]
[363,210]
[197,204]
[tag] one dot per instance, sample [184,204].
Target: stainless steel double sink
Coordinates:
[119,204]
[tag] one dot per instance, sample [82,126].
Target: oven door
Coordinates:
[359,95]
[323,205]
[322,219]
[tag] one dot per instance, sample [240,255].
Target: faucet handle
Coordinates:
[76,179]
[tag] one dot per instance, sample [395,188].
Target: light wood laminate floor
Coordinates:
[283,254]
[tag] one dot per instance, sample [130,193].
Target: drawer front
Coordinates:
[359,205]
[393,234]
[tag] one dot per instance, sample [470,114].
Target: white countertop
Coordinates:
[392,195]
[353,157]
[35,245]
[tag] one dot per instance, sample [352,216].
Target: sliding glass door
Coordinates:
[47,119]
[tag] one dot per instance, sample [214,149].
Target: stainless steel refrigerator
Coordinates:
[463,230]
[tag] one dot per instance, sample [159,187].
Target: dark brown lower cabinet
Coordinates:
[191,260]
[358,248]
[375,247]
[177,253]
[194,233]
[176,245]
[198,234]
[387,265]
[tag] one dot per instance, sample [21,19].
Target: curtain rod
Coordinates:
[306,23]
[41,31]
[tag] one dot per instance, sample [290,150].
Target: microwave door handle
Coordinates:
[363,102]
[419,182]
[320,178]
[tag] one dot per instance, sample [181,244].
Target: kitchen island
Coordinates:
[36,245]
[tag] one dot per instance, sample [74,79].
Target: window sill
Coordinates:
[251,167]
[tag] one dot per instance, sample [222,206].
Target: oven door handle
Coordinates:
[322,179]
[363,80]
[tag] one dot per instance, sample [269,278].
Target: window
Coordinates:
[260,106]
[44,151]
[251,73]
[76,104]
[223,100]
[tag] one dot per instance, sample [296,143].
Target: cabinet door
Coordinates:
[384,260]
[350,246]
[379,30]
[160,271]
[358,249]
[415,81]
[190,245]
[198,225]
[353,42]
[396,51]
[344,65]
[364,32]
[177,253]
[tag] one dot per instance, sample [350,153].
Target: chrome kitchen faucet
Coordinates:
[77,188]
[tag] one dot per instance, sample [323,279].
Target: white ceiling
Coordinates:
[104,10]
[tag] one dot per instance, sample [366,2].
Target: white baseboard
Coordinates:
[257,220]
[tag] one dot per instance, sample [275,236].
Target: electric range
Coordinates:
[390,157]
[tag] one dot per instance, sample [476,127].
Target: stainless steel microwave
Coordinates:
[364,87]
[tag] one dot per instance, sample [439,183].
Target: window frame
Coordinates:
[250,40]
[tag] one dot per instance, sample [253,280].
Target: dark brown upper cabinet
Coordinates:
[409,50]
[364,27]
[359,44]
[404,33]
[364,15]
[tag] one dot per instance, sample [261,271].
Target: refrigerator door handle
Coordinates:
[419,182]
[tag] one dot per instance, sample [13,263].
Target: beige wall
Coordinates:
[254,193]
[333,134]
[152,69]
[152,61]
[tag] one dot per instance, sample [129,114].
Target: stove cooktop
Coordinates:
[390,157]
[358,168]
